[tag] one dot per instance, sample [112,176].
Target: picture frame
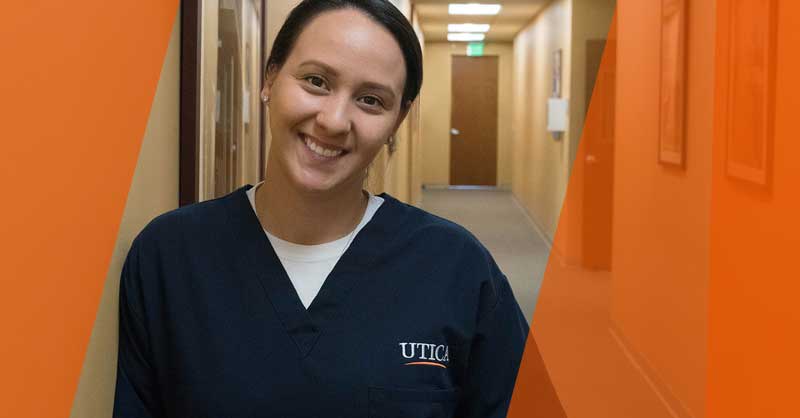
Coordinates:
[556,90]
[672,84]
[749,91]
[222,119]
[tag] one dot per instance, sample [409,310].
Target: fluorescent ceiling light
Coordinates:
[465,37]
[474,9]
[468,27]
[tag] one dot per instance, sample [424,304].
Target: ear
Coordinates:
[269,80]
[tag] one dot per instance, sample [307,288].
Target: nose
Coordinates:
[334,118]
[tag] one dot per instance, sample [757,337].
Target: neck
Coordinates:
[304,217]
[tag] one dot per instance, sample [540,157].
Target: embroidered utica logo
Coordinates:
[425,354]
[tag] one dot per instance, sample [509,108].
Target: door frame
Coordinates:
[189,174]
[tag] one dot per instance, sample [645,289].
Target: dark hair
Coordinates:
[381,11]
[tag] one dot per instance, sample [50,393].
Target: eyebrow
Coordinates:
[369,84]
[324,66]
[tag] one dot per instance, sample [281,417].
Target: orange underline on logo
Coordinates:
[425,363]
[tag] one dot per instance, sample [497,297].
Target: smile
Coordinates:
[318,149]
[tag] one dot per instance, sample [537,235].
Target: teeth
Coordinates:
[321,151]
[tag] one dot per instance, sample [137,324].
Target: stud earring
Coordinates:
[390,143]
[265,98]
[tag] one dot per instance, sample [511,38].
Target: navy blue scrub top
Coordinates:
[415,320]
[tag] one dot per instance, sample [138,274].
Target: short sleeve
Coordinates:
[495,353]
[136,393]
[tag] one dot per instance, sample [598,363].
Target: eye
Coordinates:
[316,81]
[371,101]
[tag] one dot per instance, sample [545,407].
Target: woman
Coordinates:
[307,296]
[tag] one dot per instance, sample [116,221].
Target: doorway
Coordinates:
[473,121]
[598,143]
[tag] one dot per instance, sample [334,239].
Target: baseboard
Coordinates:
[672,403]
[435,186]
[502,187]
[539,230]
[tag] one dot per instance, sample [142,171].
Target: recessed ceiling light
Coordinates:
[473,9]
[468,27]
[465,37]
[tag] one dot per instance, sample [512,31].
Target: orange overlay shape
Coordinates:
[77,84]
[620,323]
[670,291]
[696,313]
[754,318]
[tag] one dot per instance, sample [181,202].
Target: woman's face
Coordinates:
[335,101]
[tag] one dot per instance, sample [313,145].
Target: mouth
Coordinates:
[321,150]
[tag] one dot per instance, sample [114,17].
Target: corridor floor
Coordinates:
[502,226]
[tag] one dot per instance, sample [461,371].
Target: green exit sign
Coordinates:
[475,49]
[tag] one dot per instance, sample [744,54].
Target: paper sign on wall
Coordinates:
[557,114]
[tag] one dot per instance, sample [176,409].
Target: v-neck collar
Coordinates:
[259,259]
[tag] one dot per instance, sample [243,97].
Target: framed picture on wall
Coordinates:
[748,82]
[222,119]
[556,74]
[672,86]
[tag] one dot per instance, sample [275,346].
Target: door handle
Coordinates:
[454,131]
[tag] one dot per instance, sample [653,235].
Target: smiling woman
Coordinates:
[305,295]
[334,102]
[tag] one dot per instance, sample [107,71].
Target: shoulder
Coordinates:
[190,223]
[462,263]
[421,220]
[176,243]
[446,238]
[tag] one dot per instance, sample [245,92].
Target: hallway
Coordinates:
[504,228]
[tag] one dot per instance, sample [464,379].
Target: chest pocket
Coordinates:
[412,403]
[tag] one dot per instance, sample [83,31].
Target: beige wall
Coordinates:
[276,14]
[540,164]
[590,20]
[397,175]
[400,174]
[436,98]
[154,190]
[415,153]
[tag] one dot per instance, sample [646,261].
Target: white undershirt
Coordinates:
[309,265]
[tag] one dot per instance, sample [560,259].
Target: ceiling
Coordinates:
[514,15]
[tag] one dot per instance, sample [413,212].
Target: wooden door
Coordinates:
[473,121]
